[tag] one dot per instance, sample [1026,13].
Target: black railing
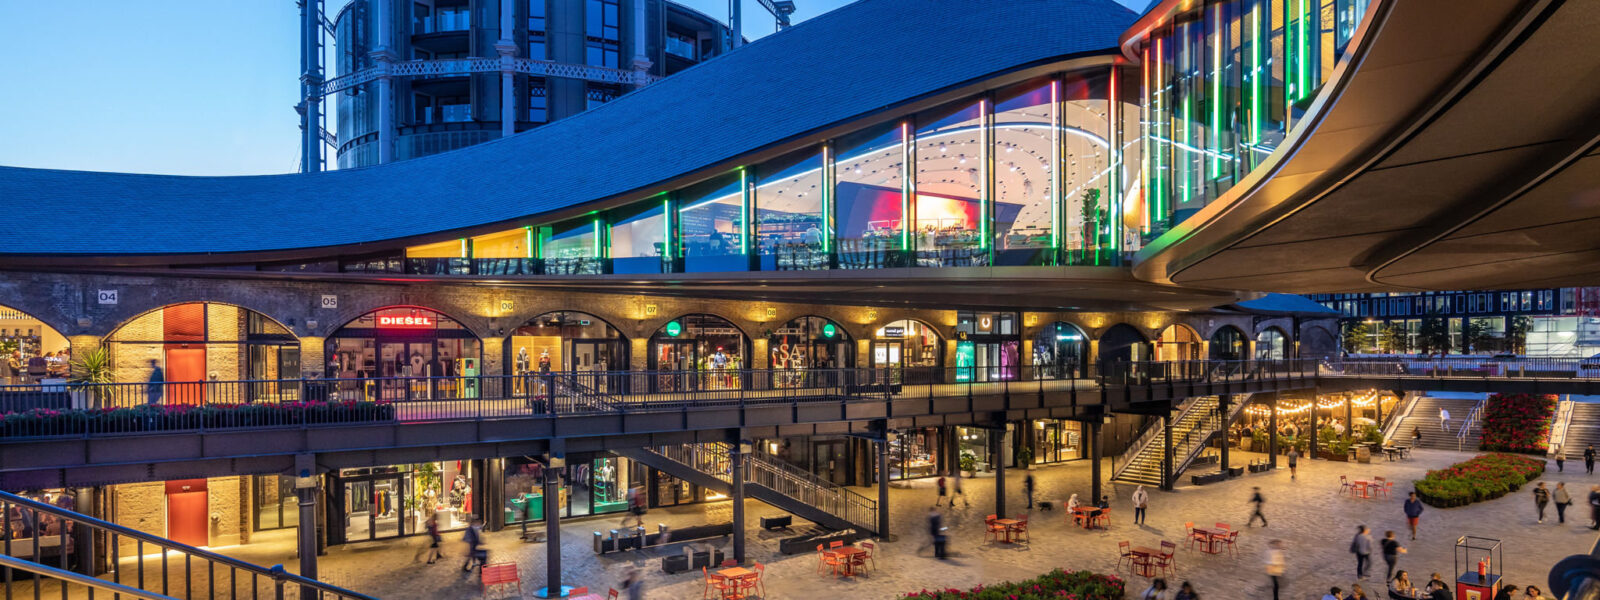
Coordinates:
[1204,371]
[1461,367]
[66,543]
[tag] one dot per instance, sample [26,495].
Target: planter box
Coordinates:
[1207,478]
[1325,455]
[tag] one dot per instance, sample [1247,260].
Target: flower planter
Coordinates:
[1484,477]
[1055,585]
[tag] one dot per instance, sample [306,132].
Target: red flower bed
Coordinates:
[1055,585]
[1517,423]
[1485,477]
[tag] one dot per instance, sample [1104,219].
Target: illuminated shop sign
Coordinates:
[828,330]
[412,322]
[894,332]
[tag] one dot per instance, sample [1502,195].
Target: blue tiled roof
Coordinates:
[846,63]
[1285,304]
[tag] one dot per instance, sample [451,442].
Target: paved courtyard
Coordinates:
[1315,522]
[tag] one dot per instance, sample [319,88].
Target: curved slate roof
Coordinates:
[842,64]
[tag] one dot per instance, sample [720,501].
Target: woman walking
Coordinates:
[1541,497]
[1141,501]
[1563,499]
[433,538]
[1276,566]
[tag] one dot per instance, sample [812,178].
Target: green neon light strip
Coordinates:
[666,227]
[986,139]
[744,210]
[1256,39]
[1185,165]
[907,146]
[1113,179]
[827,197]
[598,233]
[1304,88]
[1055,164]
[527,239]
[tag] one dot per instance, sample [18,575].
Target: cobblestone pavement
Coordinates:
[1315,522]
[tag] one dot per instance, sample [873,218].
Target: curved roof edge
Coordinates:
[840,65]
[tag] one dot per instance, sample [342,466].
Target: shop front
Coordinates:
[698,352]
[405,352]
[1056,440]
[915,453]
[37,350]
[374,503]
[990,346]
[200,342]
[1060,351]
[588,485]
[571,342]
[909,351]
[808,344]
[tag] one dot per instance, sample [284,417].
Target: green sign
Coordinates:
[966,357]
[828,330]
[674,328]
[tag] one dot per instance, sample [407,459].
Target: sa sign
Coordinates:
[330,301]
[106,296]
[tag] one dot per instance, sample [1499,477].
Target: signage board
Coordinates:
[407,322]
[894,331]
[330,301]
[106,296]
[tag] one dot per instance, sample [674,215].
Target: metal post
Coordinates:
[999,474]
[737,476]
[306,536]
[1315,431]
[1349,422]
[552,526]
[310,86]
[1272,436]
[1166,453]
[384,57]
[883,487]
[1095,454]
[506,47]
[1222,417]
[738,23]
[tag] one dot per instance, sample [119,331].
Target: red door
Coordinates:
[185,365]
[187,510]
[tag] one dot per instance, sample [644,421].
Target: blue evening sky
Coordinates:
[192,87]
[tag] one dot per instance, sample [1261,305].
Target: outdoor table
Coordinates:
[1146,569]
[846,554]
[1361,487]
[734,575]
[1212,536]
[1086,514]
[499,574]
[1008,524]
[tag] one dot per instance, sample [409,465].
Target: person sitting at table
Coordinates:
[1356,593]
[1402,584]
[1072,506]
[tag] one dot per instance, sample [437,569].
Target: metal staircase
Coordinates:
[1423,417]
[1193,424]
[766,479]
[1582,430]
[52,551]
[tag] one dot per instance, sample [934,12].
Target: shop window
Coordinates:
[698,352]
[573,248]
[870,197]
[640,238]
[950,186]
[791,213]
[711,225]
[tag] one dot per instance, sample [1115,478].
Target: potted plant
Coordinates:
[1025,457]
[969,463]
[91,370]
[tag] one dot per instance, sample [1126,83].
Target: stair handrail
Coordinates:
[1559,424]
[810,489]
[167,545]
[1213,426]
[1399,417]
[1122,460]
[1466,424]
[65,577]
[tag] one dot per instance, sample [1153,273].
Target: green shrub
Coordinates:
[1055,585]
[1484,477]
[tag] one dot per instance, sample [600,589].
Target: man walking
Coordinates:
[1361,546]
[1413,509]
[1294,462]
[1588,459]
[1141,501]
[1541,497]
[156,383]
[1391,552]
[1561,458]
[1444,419]
[936,533]
[1594,507]
[1027,488]
[1258,500]
[1275,565]
[1563,499]
[939,483]
[958,493]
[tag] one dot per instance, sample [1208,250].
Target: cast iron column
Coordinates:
[737,459]
[552,526]
[999,474]
[1272,436]
[883,488]
[1349,421]
[1166,453]
[1222,417]
[1095,453]
[306,536]
[1315,430]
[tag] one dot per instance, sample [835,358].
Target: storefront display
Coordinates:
[808,343]
[913,454]
[567,342]
[909,350]
[416,353]
[1056,440]
[1060,351]
[698,352]
[990,348]
[588,487]
[198,342]
[383,502]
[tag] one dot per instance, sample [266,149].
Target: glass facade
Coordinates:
[698,352]
[1060,351]
[712,221]
[414,352]
[791,200]
[1271,344]
[808,343]
[870,193]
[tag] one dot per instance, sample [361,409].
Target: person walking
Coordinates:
[1416,437]
[1276,566]
[1186,592]
[1027,488]
[1561,458]
[1141,501]
[1563,500]
[476,553]
[939,483]
[1361,546]
[936,533]
[1588,460]
[958,493]
[1391,553]
[1444,419]
[1541,497]
[634,584]
[1413,508]
[1294,462]
[433,538]
[1594,507]
[156,383]
[1257,499]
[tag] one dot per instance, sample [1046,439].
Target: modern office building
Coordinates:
[914,231]
[1546,323]
[419,78]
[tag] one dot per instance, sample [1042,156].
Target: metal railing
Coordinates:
[74,409]
[78,544]
[1462,367]
[1466,424]
[68,582]
[772,473]
[1150,435]
[1204,371]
